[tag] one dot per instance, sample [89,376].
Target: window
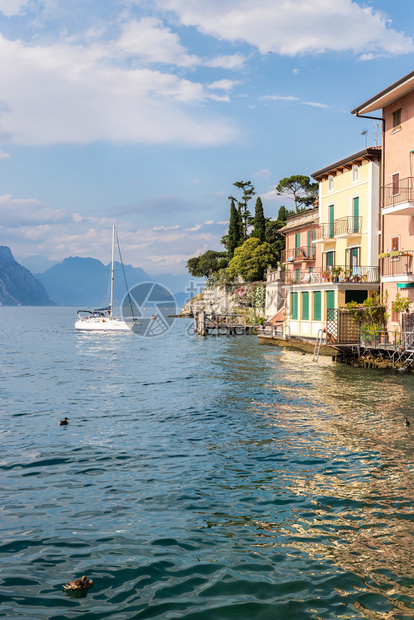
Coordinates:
[355,173]
[305,306]
[313,237]
[293,305]
[329,259]
[352,259]
[317,305]
[395,244]
[396,119]
[330,183]
[395,180]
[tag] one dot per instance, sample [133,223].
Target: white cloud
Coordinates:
[292,27]
[236,61]
[10,8]
[68,93]
[4,155]
[151,41]
[29,227]
[315,105]
[278,98]
[223,85]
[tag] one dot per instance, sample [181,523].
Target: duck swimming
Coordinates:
[79,584]
[407,422]
[64,422]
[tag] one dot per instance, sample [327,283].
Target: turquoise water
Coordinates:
[199,478]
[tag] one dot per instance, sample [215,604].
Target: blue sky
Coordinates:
[145,113]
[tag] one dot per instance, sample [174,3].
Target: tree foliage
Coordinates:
[273,236]
[251,260]
[299,189]
[244,213]
[206,264]
[259,224]
[234,235]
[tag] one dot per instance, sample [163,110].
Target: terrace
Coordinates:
[302,253]
[398,197]
[338,274]
[344,227]
[397,263]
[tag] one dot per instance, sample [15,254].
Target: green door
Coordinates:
[294,306]
[317,305]
[330,300]
[305,306]
[355,215]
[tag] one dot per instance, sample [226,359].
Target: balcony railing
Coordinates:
[398,265]
[303,253]
[362,274]
[396,193]
[342,226]
[348,225]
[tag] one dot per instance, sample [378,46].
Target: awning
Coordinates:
[405,285]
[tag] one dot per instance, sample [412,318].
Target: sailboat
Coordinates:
[102,319]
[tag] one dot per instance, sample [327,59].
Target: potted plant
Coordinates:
[336,272]
[346,274]
[327,274]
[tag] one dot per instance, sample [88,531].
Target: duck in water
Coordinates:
[79,584]
[64,422]
[407,422]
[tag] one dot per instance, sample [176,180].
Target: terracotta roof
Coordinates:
[387,96]
[300,219]
[368,153]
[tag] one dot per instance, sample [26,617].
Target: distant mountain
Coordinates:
[18,287]
[37,263]
[86,281]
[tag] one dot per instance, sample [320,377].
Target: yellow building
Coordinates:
[345,264]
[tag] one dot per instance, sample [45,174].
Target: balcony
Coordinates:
[347,275]
[303,253]
[398,198]
[401,265]
[344,228]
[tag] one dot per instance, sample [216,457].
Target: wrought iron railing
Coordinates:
[348,225]
[338,273]
[305,252]
[342,226]
[398,192]
[398,263]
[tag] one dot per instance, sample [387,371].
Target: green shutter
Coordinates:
[305,306]
[355,213]
[297,240]
[330,299]
[294,305]
[317,305]
[331,219]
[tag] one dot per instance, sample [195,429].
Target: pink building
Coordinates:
[397,199]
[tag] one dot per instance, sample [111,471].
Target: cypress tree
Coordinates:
[259,226]
[234,237]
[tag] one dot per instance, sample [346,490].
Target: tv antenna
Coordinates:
[364,132]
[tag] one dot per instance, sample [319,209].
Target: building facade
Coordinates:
[331,255]
[397,198]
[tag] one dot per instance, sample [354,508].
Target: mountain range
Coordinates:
[18,287]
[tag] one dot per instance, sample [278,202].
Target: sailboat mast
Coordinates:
[112,272]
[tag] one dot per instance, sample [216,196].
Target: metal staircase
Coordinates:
[318,343]
[405,352]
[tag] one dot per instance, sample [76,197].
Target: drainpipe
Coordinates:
[381,218]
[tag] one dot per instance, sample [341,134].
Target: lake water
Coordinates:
[203,479]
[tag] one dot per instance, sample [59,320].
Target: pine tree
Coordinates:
[244,213]
[234,237]
[259,226]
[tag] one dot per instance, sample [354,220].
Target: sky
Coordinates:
[144,113]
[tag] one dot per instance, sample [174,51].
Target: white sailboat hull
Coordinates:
[103,325]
